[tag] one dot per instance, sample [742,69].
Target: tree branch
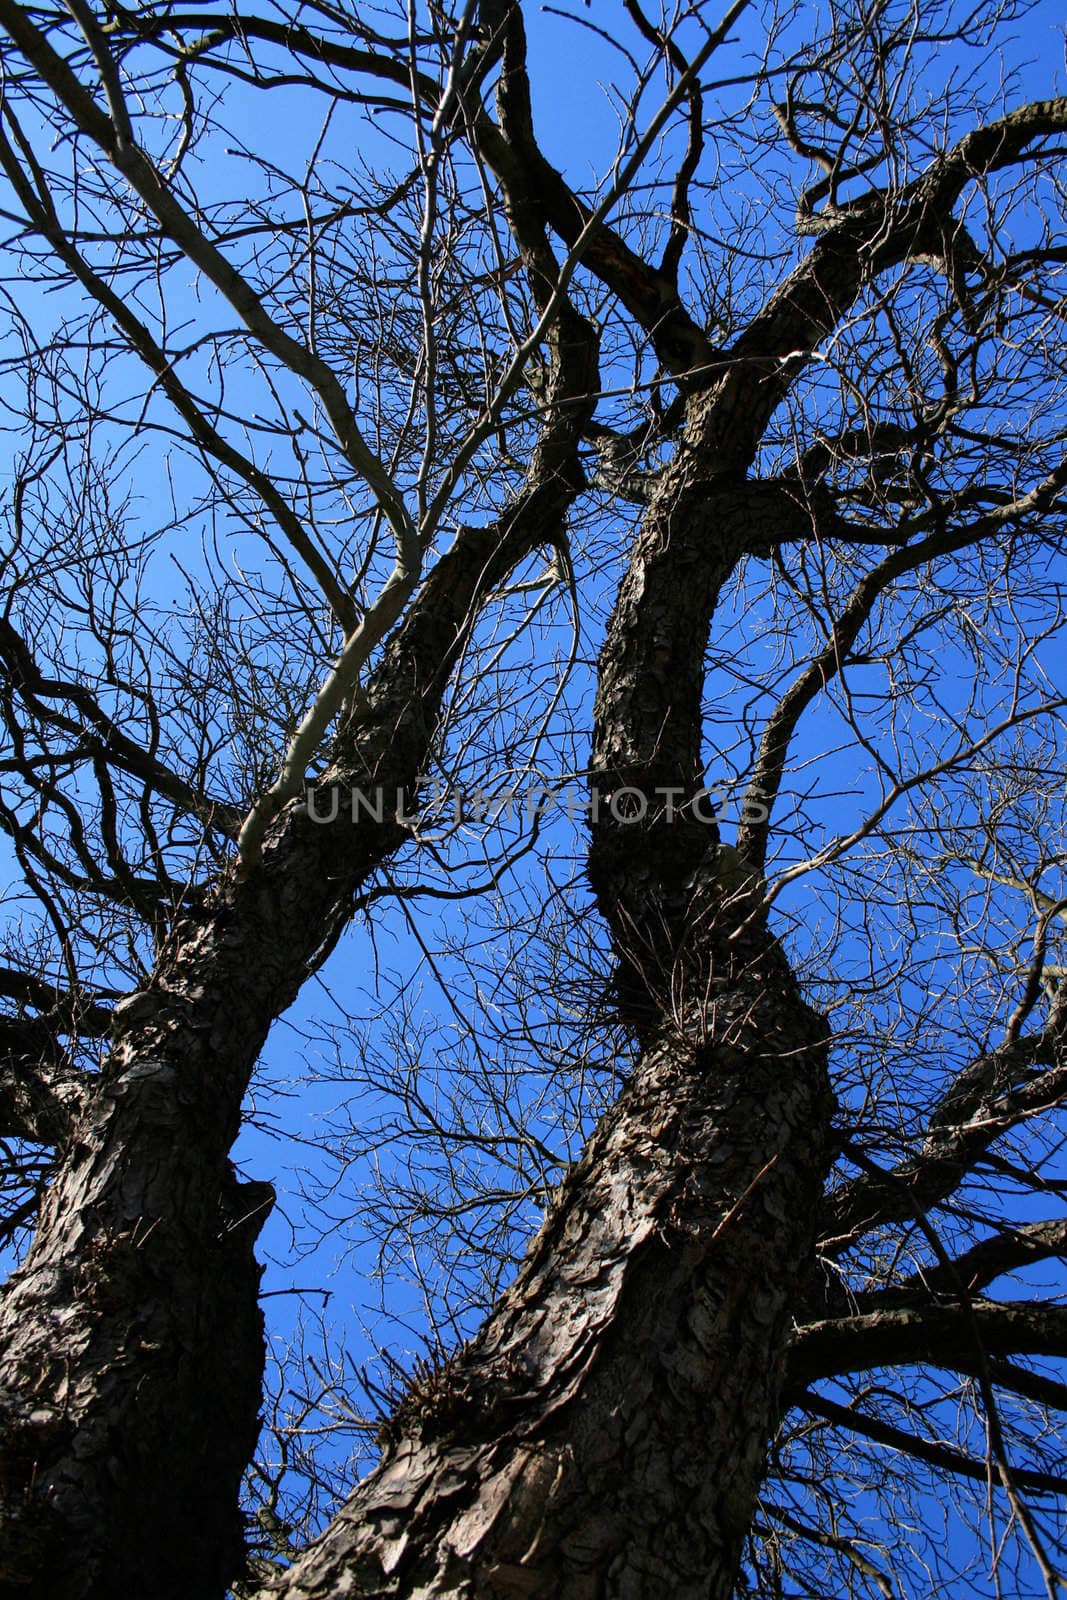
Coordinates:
[942,1457]
[937,1335]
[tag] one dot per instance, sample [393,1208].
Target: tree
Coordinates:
[317,422]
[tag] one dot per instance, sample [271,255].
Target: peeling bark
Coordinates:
[604,1435]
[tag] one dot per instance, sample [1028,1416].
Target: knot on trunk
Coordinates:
[680,936]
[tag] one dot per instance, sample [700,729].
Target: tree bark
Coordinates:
[604,1435]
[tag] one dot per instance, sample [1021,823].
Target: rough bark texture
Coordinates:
[604,1435]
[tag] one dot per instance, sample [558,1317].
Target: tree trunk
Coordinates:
[604,1435]
[134,1316]
[132,1343]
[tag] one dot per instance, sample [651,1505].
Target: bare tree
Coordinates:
[368,452]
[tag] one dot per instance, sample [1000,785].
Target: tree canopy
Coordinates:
[533,545]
